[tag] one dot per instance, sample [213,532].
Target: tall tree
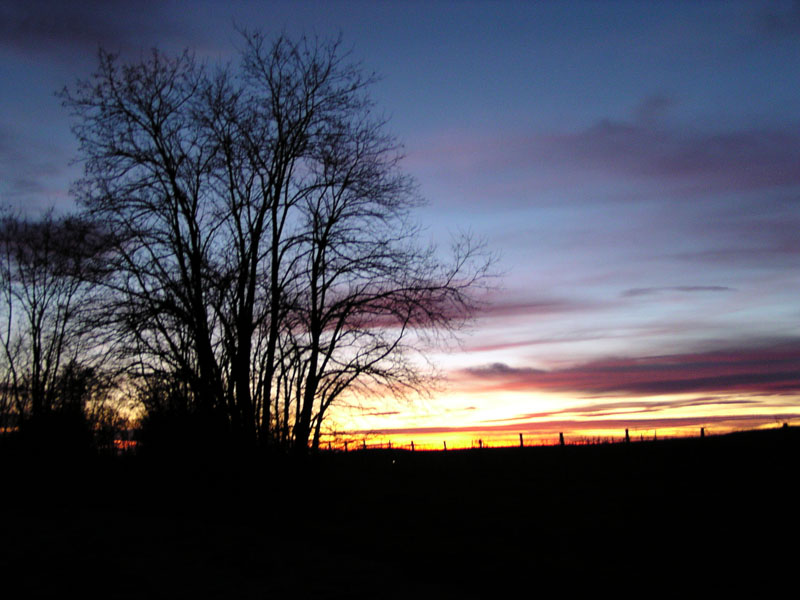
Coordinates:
[148,170]
[264,254]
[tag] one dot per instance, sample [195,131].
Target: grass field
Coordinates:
[639,518]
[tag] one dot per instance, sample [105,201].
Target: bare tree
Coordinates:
[147,176]
[47,269]
[370,292]
[264,252]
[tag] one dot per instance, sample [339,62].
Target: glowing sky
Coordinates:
[636,165]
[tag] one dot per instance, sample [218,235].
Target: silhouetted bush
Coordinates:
[179,433]
[56,435]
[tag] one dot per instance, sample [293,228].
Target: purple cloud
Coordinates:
[695,162]
[762,370]
[55,28]
[533,307]
[645,148]
[778,21]
[502,369]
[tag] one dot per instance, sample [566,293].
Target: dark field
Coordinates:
[711,514]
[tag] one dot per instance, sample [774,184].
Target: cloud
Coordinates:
[782,250]
[32,174]
[503,311]
[633,408]
[654,108]
[695,162]
[680,288]
[779,22]
[578,427]
[764,370]
[51,26]
[644,148]
[532,307]
[501,369]
[595,328]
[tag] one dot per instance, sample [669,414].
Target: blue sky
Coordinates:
[636,165]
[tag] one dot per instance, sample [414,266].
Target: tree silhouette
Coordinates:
[264,258]
[48,267]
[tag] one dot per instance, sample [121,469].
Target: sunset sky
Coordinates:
[636,166]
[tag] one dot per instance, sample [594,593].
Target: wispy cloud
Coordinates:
[679,288]
[783,250]
[534,307]
[579,427]
[633,408]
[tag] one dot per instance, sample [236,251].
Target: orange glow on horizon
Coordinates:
[459,441]
[497,420]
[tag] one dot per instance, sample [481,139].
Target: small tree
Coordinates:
[47,269]
[264,256]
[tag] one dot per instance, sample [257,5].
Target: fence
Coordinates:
[538,440]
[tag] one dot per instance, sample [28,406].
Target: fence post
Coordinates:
[561,438]
[346,444]
[445,446]
[480,443]
[521,444]
[363,444]
[702,432]
[412,445]
[627,437]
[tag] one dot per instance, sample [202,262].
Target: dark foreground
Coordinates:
[712,514]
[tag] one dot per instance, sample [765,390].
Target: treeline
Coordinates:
[243,259]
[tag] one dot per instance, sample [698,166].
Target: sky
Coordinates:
[635,165]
